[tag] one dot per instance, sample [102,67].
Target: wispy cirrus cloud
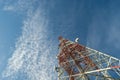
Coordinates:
[32,55]
[32,58]
[113,38]
[8,8]
[104,31]
[20,6]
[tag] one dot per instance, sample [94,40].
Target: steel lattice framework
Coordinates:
[77,62]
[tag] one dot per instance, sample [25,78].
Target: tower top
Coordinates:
[77,62]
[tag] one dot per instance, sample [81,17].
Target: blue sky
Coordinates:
[29,31]
[10,30]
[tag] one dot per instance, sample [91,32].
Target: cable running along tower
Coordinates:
[77,62]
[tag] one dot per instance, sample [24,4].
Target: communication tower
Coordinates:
[77,62]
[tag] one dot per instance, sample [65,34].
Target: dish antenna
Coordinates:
[77,39]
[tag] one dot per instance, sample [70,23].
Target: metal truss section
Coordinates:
[77,62]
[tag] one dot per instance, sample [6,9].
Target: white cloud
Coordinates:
[8,8]
[104,30]
[93,37]
[113,36]
[33,54]
[20,6]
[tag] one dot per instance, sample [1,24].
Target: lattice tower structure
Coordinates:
[77,62]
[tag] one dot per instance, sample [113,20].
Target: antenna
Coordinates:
[77,39]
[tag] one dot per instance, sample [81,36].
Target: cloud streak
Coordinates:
[113,38]
[104,30]
[32,57]
[20,6]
